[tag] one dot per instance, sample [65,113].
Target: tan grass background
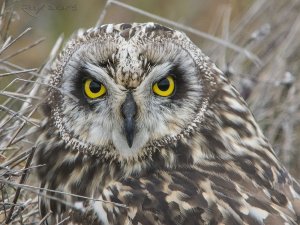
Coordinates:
[255,42]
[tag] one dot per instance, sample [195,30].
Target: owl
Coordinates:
[141,128]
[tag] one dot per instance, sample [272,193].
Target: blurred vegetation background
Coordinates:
[50,18]
[255,42]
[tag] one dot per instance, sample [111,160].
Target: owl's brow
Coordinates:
[92,70]
[158,71]
[96,70]
[99,73]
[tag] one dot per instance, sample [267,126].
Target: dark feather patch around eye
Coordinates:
[181,86]
[78,87]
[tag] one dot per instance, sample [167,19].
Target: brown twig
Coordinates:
[22,180]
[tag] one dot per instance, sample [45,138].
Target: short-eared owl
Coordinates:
[145,126]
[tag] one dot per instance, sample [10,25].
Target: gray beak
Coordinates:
[128,110]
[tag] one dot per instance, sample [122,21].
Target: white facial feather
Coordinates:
[126,65]
[103,124]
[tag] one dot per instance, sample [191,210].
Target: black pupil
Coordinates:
[95,87]
[163,84]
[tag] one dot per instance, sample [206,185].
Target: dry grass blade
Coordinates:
[18,115]
[185,28]
[103,13]
[14,40]
[18,72]
[32,189]
[23,49]
[45,218]
[22,180]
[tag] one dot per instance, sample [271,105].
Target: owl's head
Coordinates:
[126,89]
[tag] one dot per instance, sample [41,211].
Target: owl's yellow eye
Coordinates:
[94,89]
[165,87]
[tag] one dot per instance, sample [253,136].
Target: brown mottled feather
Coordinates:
[219,169]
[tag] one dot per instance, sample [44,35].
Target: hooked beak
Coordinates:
[128,110]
